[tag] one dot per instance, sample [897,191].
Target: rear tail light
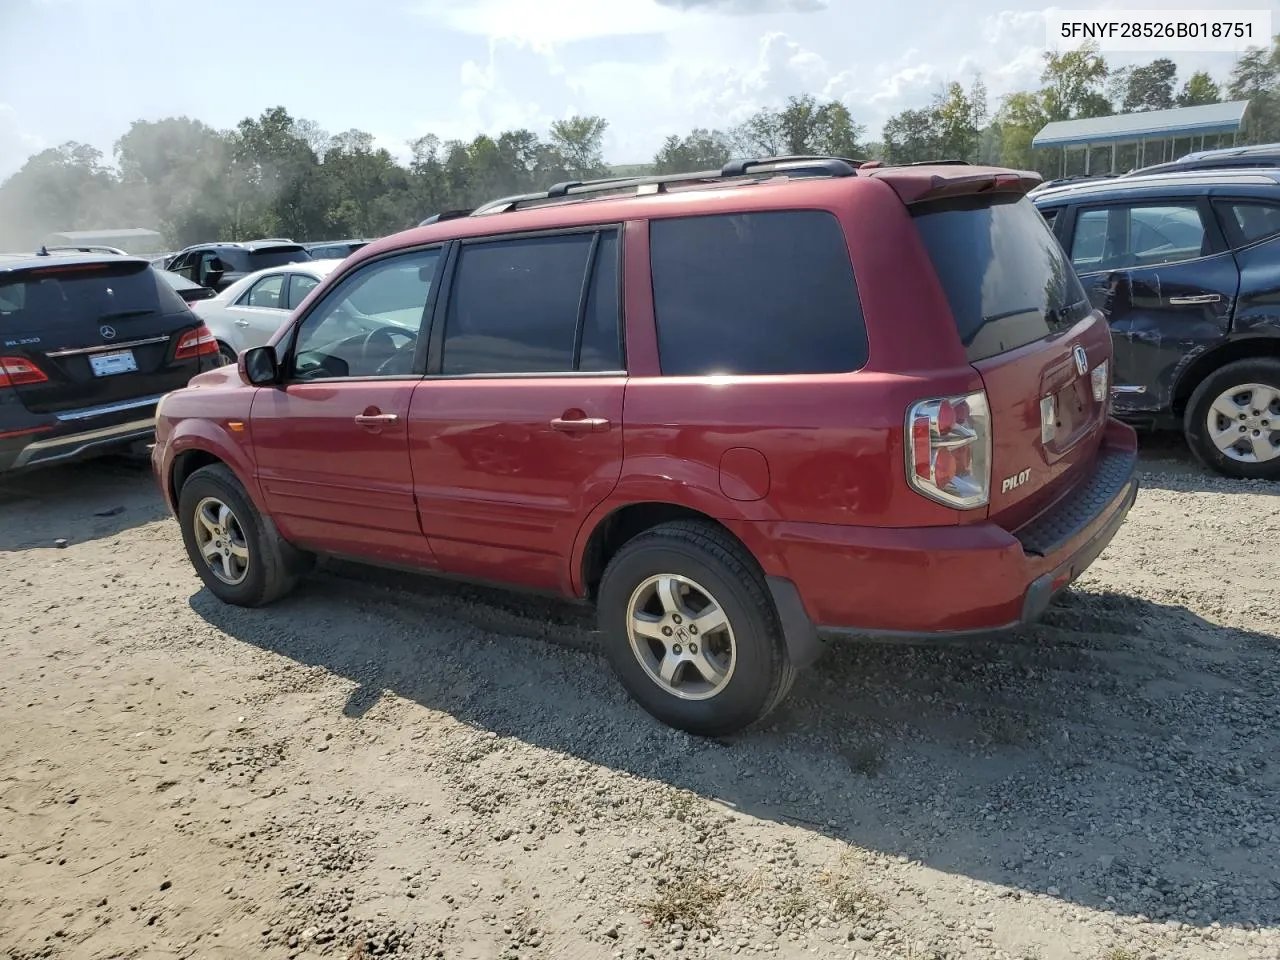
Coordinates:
[949,450]
[19,371]
[196,343]
[1100,381]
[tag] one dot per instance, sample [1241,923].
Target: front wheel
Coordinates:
[690,630]
[237,552]
[1232,423]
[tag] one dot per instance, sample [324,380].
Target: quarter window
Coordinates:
[523,306]
[1251,221]
[755,293]
[299,286]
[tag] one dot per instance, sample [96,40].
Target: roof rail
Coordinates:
[445,215]
[828,166]
[832,166]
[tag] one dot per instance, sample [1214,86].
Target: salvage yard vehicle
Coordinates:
[739,411]
[88,344]
[1186,266]
[218,265]
[247,313]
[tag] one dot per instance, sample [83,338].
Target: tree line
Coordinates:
[277,175]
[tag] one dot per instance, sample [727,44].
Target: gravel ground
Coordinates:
[393,767]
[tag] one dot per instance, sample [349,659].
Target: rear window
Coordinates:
[51,297]
[276,257]
[755,293]
[1005,275]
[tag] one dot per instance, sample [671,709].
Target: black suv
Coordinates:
[1187,268]
[218,265]
[88,344]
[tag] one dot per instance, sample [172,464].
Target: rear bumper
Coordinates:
[45,440]
[952,581]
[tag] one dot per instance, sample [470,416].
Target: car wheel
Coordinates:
[690,630]
[1232,422]
[237,552]
[226,356]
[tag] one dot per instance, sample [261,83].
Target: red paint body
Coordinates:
[809,472]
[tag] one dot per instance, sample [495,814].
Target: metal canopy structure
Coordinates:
[133,239]
[1163,126]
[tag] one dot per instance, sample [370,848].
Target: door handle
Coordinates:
[242,323]
[581,425]
[375,419]
[1191,301]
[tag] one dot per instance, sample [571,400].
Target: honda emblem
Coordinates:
[1082,360]
[108,333]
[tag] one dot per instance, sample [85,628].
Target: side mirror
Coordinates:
[259,366]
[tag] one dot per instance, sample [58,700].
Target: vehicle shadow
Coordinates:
[1118,756]
[107,496]
[1167,464]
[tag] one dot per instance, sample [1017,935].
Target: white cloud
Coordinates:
[16,143]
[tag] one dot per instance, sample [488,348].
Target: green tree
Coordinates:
[804,126]
[1150,87]
[1199,90]
[1256,77]
[61,188]
[1074,84]
[700,150]
[580,142]
[1021,116]
[911,137]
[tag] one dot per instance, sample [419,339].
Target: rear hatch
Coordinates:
[84,334]
[1028,328]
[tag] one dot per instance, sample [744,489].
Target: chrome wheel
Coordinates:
[681,636]
[1244,423]
[221,540]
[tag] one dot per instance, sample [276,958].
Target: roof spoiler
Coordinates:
[916,186]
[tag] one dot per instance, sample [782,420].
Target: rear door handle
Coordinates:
[241,322]
[1191,301]
[583,425]
[374,419]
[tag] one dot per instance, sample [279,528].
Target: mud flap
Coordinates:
[804,646]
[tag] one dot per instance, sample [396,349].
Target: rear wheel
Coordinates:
[690,630]
[1232,423]
[226,355]
[235,550]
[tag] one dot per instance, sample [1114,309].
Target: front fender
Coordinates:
[216,439]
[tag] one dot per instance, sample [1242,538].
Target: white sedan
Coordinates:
[252,309]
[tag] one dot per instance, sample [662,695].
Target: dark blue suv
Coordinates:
[1187,268]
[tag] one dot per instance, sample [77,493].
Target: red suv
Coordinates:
[739,411]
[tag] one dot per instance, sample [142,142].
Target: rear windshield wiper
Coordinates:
[122,314]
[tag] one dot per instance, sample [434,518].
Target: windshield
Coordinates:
[1005,275]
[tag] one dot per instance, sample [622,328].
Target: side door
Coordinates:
[1252,227]
[515,435]
[1161,272]
[257,313]
[331,439]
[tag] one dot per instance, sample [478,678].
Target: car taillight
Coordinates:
[196,343]
[949,450]
[19,371]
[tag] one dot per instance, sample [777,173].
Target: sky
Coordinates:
[85,69]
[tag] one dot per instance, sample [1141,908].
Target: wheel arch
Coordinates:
[1194,371]
[202,443]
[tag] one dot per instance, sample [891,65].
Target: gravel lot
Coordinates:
[387,766]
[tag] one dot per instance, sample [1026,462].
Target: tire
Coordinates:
[226,356]
[1235,378]
[269,567]
[751,680]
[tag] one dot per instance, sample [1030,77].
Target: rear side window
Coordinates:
[755,293]
[79,296]
[523,306]
[1128,236]
[1250,220]
[1006,277]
